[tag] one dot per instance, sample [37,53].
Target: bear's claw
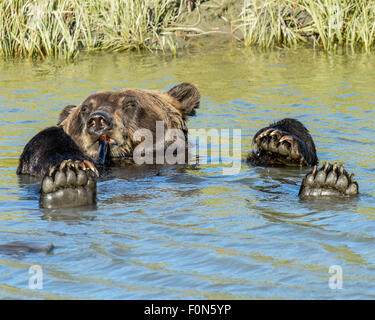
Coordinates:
[282,144]
[329,180]
[70,184]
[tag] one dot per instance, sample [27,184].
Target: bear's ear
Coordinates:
[65,113]
[188,95]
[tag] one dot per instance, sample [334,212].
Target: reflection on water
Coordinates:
[191,232]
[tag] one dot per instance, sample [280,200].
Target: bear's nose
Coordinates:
[99,123]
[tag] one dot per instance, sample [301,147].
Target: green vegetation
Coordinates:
[328,23]
[63,28]
[30,28]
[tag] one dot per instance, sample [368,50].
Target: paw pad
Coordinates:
[329,180]
[72,183]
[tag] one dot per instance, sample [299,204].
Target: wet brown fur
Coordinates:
[130,109]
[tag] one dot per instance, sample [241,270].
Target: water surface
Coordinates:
[194,233]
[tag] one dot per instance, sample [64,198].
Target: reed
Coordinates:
[41,28]
[63,28]
[327,23]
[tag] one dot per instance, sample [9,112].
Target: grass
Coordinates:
[40,28]
[63,28]
[327,23]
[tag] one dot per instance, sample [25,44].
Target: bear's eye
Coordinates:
[131,105]
[85,108]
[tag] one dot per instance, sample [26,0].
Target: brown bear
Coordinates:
[103,129]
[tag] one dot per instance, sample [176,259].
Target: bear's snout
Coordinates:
[99,123]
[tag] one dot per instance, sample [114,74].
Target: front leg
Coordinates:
[68,175]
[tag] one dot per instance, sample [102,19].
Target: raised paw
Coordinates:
[283,145]
[71,184]
[329,180]
[286,142]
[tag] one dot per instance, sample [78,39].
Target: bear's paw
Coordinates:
[330,180]
[70,184]
[283,144]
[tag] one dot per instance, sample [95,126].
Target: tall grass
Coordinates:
[328,23]
[30,28]
[63,28]
[266,23]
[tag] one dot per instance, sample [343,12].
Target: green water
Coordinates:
[194,232]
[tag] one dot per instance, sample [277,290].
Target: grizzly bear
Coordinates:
[101,130]
[288,143]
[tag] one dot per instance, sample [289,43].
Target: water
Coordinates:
[179,233]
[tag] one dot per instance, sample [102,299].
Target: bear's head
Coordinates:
[117,115]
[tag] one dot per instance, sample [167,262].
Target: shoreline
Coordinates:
[65,28]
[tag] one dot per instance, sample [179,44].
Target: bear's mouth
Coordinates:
[105,142]
[104,149]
